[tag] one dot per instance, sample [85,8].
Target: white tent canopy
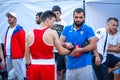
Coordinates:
[97,11]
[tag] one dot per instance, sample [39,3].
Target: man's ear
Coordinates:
[47,20]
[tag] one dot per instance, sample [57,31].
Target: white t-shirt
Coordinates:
[114,40]
[61,22]
[101,34]
[8,40]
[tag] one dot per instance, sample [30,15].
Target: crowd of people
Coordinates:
[57,51]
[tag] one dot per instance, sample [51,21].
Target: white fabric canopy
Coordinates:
[97,11]
[26,12]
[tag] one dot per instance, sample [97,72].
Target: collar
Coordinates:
[81,28]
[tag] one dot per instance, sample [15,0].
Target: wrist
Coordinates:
[28,66]
[71,49]
[69,52]
[63,44]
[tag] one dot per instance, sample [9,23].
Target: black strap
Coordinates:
[105,42]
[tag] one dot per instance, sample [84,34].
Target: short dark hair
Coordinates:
[39,14]
[112,18]
[56,8]
[47,14]
[78,10]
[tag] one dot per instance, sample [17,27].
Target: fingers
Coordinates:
[2,64]
[69,45]
[97,61]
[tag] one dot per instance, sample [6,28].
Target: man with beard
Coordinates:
[79,66]
[38,15]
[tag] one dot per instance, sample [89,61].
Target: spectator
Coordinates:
[60,59]
[14,46]
[38,15]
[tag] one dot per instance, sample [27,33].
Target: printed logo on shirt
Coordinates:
[98,32]
[81,32]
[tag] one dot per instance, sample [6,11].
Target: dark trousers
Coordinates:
[102,70]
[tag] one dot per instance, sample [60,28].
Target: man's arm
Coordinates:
[58,44]
[27,51]
[2,57]
[97,55]
[114,48]
[91,46]
[22,41]
[65,44]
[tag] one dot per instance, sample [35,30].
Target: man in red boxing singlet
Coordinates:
[39,44]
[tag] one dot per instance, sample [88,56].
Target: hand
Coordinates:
[69,45]
[97,60]
[75,52]
[28,66]
[2,64]
[110,70]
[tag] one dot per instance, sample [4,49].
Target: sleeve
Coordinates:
[64,32]
[99,33]
[22,40]
[91,33]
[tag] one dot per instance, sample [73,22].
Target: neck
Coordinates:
[76,27]
[43,25]
[12,25]
[57,20]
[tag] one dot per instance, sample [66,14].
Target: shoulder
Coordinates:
[100,30]
[68,27]
[30,34]
[87,27]
[51,31]
[117,35]
[19,28]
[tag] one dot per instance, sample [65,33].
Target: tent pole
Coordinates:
[84,4]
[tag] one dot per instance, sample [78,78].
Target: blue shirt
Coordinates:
[78,37]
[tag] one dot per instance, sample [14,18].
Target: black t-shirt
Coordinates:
[58,28]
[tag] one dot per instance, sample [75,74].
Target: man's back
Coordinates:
[40,38]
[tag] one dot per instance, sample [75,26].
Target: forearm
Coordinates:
[1,53]
[96,52]
[27,54]
[63,44]
[62,50]
[113,49]
[89,48]
[27,57]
